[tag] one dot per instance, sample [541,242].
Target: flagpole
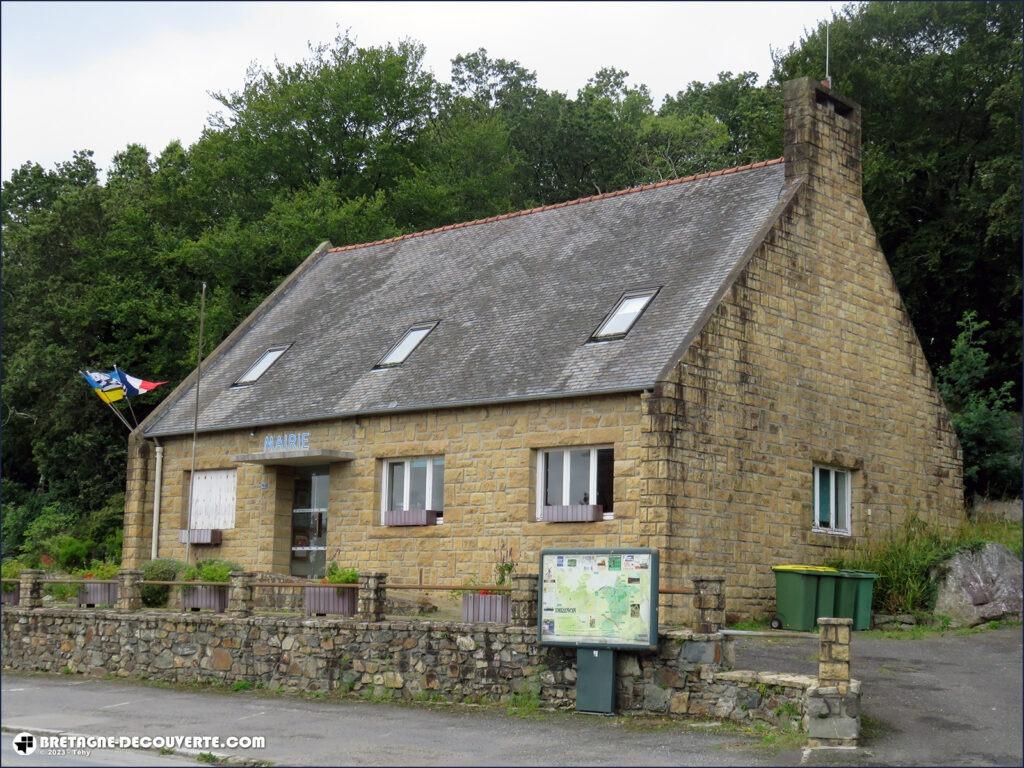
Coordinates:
[126,397]
[195,425]
[110,405]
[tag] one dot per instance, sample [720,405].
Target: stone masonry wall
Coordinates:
[489,489]
[398,659]
[809,359]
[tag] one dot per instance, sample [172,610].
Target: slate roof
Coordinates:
[517,297]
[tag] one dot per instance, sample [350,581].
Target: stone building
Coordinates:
[718,366]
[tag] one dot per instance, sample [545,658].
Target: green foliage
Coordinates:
[99,570]
[905,560]
[11,569]
[338,575]
[211,569]
[524,703]
[242,685]
[68,552]
[988,428]
[161,569]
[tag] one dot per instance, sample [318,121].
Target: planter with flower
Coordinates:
[322,600]
[11,590]
[482,604]
[212,595]
[100,587]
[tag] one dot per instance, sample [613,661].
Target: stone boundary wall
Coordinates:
[414,660]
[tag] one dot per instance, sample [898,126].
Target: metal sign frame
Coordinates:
[652,640]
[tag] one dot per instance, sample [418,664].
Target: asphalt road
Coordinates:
[304,732]
[945,700]
[115,759]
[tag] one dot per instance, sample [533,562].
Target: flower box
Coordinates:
[201,536]
[320,601]
[200,596]
[11,598]
[100,593]
[395,517]
[477,608]
[573,513]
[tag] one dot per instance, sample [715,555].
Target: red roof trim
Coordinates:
[591,199]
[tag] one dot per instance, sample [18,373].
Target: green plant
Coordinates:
[505,567]
[209,757]
[11,569]
[68,552]
[166,751]
[100,571]
[161,569]
[787,709]
[524,703]
[210,570]
[242,685]
[338,575]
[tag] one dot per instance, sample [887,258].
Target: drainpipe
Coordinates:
[156,499]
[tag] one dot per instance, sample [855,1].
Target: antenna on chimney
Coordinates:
[828,77]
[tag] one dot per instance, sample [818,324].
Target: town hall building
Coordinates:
[719,367]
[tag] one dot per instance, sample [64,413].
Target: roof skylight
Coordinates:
[405,347]
[257,369]
[627,311]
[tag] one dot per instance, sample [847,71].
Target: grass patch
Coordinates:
[209,757]
[871,729]
[242,685]
[905,559]
[751,625]
[922,631]
[523,704]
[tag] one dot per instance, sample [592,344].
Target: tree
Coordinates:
[989,431]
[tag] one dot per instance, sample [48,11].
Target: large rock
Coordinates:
[975,587]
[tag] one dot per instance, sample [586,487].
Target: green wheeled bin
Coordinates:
[803,593]
[854,591]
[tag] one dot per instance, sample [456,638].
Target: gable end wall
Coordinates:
[809,358]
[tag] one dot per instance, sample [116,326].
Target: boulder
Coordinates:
[975,587]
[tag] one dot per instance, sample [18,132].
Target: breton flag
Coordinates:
[105,385]
[133,385]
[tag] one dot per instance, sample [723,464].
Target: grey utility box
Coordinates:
[595,680]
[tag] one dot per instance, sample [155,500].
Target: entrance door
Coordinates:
[309,523]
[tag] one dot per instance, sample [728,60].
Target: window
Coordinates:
[413,485]
[831,500]
[405,347]
[576,477]
[214,505]
[626,312]
[260,367]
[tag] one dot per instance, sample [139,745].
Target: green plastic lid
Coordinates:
[816,568]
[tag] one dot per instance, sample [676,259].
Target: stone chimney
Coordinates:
[822,138]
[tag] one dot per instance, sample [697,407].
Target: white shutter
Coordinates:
[214,505]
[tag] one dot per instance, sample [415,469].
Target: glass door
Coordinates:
[309,523]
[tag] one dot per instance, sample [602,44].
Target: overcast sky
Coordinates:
[101,75]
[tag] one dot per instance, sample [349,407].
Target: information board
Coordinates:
[600,598]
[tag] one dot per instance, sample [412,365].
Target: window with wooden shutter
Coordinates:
[214,494]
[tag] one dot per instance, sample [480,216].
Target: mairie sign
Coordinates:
[286,441]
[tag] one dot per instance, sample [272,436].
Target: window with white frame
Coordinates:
[414,485]
[406,345]
[213,494]
[832,495]
[624,315]
[576,477]
[257,369]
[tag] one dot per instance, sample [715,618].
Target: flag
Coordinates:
[133,385]
[106,386]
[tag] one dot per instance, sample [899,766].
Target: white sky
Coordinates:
[101,75]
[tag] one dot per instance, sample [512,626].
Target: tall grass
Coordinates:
[905,559]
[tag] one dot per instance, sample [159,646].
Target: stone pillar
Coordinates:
[709,600]
[372,595]
[240,593]
[129,593]
[834,656]
[523,600]
[31,588]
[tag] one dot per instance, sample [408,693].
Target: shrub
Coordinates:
[337,575]
[68,552]
[161,569]
[101,571]
[210,570]
[11,569]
